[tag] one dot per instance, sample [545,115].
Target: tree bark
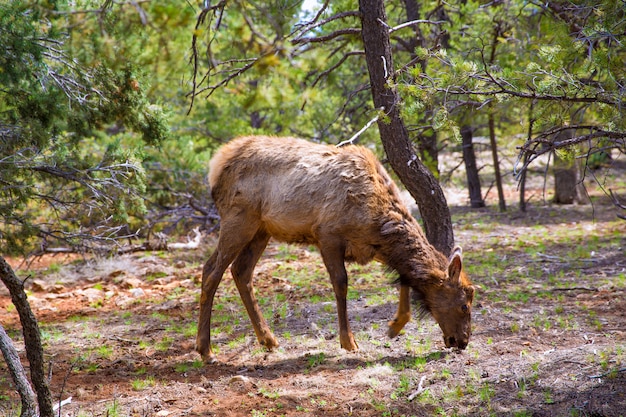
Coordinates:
[418,180]
[496,161]
[565,175]
[471,171]
[29,401]
[565,181]
[32,338]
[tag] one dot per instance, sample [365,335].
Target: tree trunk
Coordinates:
[565,175]
[418,180]
[29,401]
[496,161]
[471,171]
[565,181]
[32,338]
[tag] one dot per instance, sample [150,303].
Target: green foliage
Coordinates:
[87,85]
[63,176]
[563,63]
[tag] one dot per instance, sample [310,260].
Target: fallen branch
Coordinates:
[191,244]
[62,403]
[574,289]
[420,389]
[612,371]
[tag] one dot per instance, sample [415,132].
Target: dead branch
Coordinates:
[325,38]
[313,24]
[191,243]
[420,389]
[546,142]
[343,59]
[195,59]
[411,23]
[618,204]
[612,371]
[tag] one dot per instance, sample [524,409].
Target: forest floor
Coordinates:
[549,329]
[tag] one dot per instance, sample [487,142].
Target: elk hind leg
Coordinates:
[242,271]
[234,235]
[333,256]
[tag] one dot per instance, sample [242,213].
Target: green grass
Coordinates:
[142,384]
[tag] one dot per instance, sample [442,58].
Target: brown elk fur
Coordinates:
[341,200]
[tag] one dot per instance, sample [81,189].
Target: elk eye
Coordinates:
[464,308]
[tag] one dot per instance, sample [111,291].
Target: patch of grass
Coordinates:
[270,395]
[316,360]
[142,384]
[113,410]
[547,396]
[155,275]
[54,268]
[164,344]
[105,352]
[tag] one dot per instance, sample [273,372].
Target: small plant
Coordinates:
[486,392]
[515,327]
[270,395]
[181,368]
[316,360]
[105,351]
[547,397]
[113,410]
[141,384]
[403,387]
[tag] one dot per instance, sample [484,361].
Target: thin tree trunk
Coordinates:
[29,401]
[418,180]
[522,180]
[496,161]
[32,337]
[471,171]
[499,29]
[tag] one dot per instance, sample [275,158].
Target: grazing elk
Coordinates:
[341,200]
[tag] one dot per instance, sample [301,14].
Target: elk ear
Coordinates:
[456,264]
[391,227]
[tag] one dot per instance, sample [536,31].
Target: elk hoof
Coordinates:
[350,344]
[209,359]
[393,331]
[270,343]
[397,324]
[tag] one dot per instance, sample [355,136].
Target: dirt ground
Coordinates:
[549,330]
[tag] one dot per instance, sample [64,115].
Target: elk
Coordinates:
[342,201]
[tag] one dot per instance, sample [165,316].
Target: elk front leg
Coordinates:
[403,315]
[242,270]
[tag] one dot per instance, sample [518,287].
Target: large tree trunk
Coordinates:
[471,170]
[32,338]
[418,180]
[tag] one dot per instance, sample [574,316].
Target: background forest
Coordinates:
[110,110]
